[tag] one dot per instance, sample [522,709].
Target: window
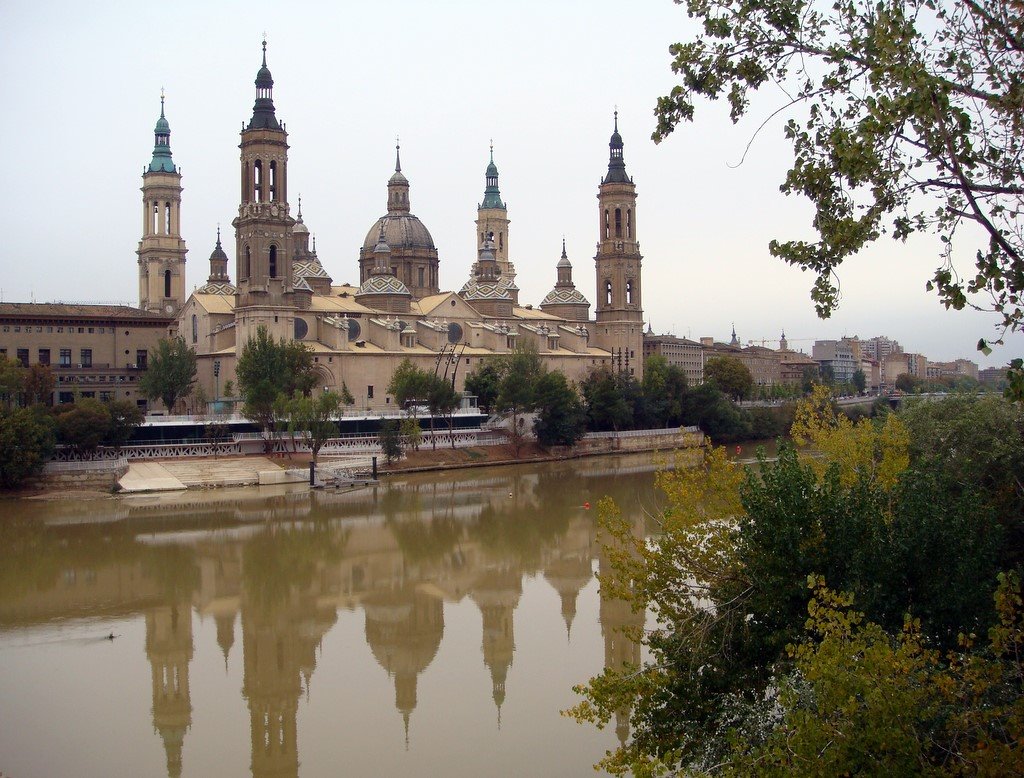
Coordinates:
[141,358]
[44,356]
[608,292]
[257,178]
[65,357]
[421,276]
[106,396]
[629,293]
[91,329]
[273,181]
[248,267]
[273,261]
[369,392]
[167,283]
[167,221]
[629,223]
[618,222]
[23,356]
[195,328]
[87,357]
[607,234]
[65,397]
[88,395]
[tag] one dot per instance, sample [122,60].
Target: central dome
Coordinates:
[400,231]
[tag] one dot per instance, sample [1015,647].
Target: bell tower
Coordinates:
[619,321]
[263,228]
[161,250]
[492,218]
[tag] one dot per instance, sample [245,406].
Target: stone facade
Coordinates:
[97,351]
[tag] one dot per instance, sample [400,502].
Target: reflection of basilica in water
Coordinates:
[401,555]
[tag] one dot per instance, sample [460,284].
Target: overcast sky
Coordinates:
[80,94]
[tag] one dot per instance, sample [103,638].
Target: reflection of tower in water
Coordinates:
[404,629]
[169,651]
[619,627]
[497,595]
[279,649]
[571,569]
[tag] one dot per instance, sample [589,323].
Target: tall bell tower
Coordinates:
[619,321]
[161,250]
[263,228]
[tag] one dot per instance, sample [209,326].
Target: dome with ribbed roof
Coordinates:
[400,232]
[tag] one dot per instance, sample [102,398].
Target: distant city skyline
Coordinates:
[83,95]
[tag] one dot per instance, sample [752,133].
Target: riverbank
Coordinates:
[155,475]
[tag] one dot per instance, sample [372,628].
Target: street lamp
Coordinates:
[216,380]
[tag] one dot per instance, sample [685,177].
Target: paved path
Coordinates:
[145,476]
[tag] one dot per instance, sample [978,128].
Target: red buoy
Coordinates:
[586,506]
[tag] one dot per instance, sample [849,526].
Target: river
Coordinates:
[432,625]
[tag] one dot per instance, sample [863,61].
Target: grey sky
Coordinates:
[80,96]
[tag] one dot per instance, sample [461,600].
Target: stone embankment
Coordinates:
[100,476]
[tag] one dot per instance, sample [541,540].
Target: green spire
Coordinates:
[492,197]
[162,162]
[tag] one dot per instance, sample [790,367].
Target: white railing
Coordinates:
[666,432]
[89,466]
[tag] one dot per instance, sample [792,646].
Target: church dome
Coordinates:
[382,284]
[401,232]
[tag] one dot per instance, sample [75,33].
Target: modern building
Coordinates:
[837,356]
[681,352]
[97,351]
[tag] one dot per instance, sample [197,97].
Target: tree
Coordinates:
[484,383]
[561,420]
[12,379]
[606,405]
[390,440]
[726,581]
[125,418]
[170,373]
[409,385]
[517,390]
[730,375]
[411,432]
[26,444]
[443,400]
[907,383]
[84,426]
[909,121]
[859,380]
[267,369]
[315,418]
[38,385]
[664,388]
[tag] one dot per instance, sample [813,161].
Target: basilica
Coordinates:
[359,335]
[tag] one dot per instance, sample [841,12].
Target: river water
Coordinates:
[432,625]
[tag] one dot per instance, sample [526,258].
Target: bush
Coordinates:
[26,444]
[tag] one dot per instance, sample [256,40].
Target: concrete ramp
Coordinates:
[145,476]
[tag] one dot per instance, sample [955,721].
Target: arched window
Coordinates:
[629,293]
[167,218]
[629,223]
[273,261]
[273,180]
[154,228]
[248,263]
[608,292]
[195,328]
[167,283]
[257,181]
[421,276]
[607,233]
[501,241]
[618,222]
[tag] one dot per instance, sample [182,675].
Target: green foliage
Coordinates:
[266,370]
[484,382]
[390,440]
[725,580]
[314,419]
[26,444]
[517,390]
[730,375]
[346,395]
[442,400]
[409,384]
[412,432]
[12,378]
[907,119]
[606,404]
[84,425]
[170,372]
[38,385]
[125,418]
[664,389]
[860,381]
[908,384]
[561,420]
